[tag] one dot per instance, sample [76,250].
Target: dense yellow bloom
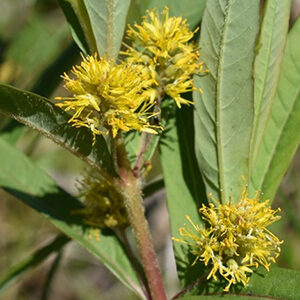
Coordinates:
[104,205]
[108,98]
[235,239]
[162,44]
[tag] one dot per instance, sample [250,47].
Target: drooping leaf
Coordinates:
[267,65]
[31,261]
[50,276]
[279,283]
[224,112]
[183,182]
[38,113]
[282,135]
[108,18]
[28,183]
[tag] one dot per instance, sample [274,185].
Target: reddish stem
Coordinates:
[134,204]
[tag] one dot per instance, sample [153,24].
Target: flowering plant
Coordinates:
[209,96]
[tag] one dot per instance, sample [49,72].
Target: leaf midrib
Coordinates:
[110,29]
[218,104]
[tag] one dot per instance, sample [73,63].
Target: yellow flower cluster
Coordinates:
[235,239]
[108,98]
[104,205]
[162,44]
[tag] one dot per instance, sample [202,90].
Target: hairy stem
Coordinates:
[130,186]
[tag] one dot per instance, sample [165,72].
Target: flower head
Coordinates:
[235,239]
[108,98]
[163,44]
[104,205]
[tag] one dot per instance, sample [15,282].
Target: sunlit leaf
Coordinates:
[281,136]
[108,20]
[267,66]
[224,112]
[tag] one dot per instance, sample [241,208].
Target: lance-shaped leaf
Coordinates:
[108,20]
[40,114]
[31,261]
[282,135]
[78,19]
[31,185]
[45,85]
[183,182]
[267,65]
[224,112]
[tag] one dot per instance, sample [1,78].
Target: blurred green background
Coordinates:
[35,43]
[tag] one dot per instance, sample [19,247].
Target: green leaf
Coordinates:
[28,183]
[38,113]
[224,112]
[189,9]
[278,284]
[282,135]
[45,85]
[183,182]
[267,65]
[50,276]
[31,261]
[18,172]
[76,15]
[108,20]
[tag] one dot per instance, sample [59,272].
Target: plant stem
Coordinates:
[134,204]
